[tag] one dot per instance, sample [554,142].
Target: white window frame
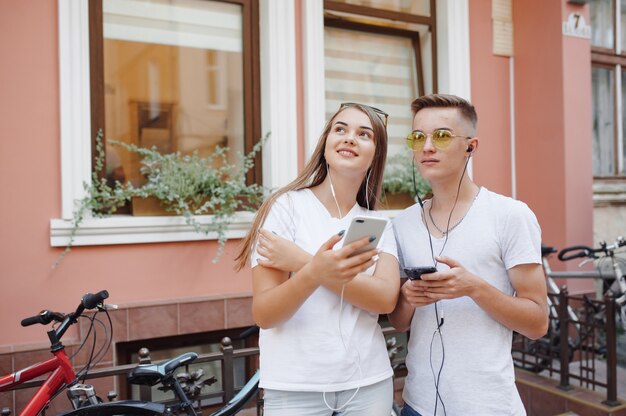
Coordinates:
[452,46]
[278,83]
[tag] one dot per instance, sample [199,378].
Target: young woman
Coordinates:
[322,350]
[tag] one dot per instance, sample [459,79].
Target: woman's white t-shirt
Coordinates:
[306,353]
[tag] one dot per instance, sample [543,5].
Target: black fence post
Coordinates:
[564,338]
[228,381]
[145,392]
[611,352]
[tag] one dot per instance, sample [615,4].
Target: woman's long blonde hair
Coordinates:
[315,172]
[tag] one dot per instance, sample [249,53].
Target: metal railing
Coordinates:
[226,357]
[589,353]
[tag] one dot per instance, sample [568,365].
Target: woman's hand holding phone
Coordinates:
[340,266]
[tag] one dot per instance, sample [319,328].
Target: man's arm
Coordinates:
[526,313]
[411,296]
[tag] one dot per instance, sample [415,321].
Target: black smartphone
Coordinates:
[415,273]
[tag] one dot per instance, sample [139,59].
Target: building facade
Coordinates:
[193,75]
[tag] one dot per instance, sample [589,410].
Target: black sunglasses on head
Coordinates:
[383,116]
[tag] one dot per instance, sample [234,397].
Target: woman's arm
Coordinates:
[276,297]
[377,293]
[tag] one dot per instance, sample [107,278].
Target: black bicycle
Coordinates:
[588,321]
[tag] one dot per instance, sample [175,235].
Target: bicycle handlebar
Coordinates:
[44,318]
[586,251]
[579,251]
[89,301]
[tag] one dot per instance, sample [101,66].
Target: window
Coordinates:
[174,74]
[274,52]
[380,52]
[608,83]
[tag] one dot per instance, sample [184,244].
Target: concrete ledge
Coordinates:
[542,397]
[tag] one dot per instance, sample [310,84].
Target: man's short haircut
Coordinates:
[446,101]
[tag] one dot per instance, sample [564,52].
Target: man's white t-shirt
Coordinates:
[477,377]
[306,353]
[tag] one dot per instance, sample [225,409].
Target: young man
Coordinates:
[489,281]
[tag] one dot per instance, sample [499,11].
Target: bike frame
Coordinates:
[554,289]
[62,373]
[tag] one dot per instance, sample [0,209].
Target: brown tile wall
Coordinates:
[131,324]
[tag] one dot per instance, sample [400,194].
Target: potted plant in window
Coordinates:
[398,190]
[185,185]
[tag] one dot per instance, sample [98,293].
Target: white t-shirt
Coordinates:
[306,352]
[477,377]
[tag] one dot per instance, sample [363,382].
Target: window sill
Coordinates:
[609,191]
[123,229]
[133,230]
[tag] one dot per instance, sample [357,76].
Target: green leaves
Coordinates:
[186,185]
[398,176]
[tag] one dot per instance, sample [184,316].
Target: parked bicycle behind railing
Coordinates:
[591,317]
[613,284]
[82,396]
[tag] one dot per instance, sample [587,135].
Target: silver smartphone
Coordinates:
[363,226]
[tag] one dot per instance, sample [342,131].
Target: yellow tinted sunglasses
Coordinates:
[441,139]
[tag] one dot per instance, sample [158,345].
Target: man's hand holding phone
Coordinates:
[413,290]
[415,273]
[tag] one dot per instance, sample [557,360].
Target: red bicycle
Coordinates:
[82,396]
[62,373]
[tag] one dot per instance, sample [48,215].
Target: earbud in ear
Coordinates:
[470,149]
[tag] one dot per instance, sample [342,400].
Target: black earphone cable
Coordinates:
[439,322]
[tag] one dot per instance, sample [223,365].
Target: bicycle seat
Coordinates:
[151,374]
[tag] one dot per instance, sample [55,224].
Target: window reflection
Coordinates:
[173,75]
[602,24]
[603,121]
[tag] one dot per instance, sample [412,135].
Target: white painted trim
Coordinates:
[618,122]
[133,230]
[512,132]
[314,78]
[453,48]
[278,91]
[618,28]
[278,56]
[453,52]
[75,107]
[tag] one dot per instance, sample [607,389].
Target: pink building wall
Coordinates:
[30,183]
[553,129]
[490,86]
[553,124]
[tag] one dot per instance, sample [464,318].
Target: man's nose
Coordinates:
[428,144]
